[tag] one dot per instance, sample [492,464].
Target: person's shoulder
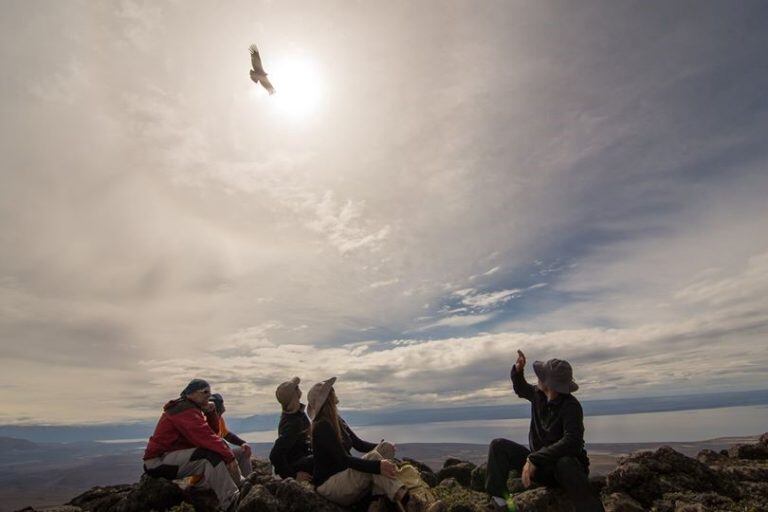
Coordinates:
[571,401]
[179,406]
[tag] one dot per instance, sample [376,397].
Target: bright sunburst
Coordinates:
[298,85]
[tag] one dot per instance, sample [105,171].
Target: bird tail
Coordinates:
[253,49]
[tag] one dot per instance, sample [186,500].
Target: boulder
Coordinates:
[460,471]
[620,502]
[749,452]
[259,499]
[477,477]
[450,461]
[543,499]
[294,496]
[417,464]
[429,478]
[102,499]
[647,476]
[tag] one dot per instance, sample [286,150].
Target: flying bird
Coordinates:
[258,74]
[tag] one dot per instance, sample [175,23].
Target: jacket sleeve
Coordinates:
[233,438]
[325,435]
[193,425]
[357,443]
[572,442]
[520,385]
[286,438]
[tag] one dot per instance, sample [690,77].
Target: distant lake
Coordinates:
[692,425]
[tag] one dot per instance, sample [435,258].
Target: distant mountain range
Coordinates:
[266,422]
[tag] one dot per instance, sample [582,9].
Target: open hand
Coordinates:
[520,364]
[388,468]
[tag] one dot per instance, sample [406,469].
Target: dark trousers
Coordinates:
[567,472]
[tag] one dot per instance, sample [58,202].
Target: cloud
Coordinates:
[600,197]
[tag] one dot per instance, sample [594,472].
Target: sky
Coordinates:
[433,186]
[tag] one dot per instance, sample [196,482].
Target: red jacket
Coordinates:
[184,425]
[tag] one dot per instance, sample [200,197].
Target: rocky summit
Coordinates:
[661,481]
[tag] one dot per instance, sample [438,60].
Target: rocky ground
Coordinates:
[663,480]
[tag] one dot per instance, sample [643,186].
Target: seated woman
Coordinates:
[342,478]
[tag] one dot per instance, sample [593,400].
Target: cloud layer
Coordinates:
[478,178]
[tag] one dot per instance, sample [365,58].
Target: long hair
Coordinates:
[329,413]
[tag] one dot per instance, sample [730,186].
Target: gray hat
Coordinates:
[286,391]
[318,395]
[556,374]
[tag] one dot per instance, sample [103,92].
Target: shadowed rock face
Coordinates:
[662,480]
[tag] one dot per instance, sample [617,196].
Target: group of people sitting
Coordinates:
[315,445]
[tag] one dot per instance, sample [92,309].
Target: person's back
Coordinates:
[291,455]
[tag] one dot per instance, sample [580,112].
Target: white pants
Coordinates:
[192,461]
[350,486]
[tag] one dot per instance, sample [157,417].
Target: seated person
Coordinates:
[291,454]
[344,479]
[184,444]
[557,455]
[243,451]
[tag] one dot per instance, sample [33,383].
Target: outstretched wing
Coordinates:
[256,60]
[267,84]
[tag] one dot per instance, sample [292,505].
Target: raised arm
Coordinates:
[519,384]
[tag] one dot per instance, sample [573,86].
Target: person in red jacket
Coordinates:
[184,443]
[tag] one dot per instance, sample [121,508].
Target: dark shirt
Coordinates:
[292,451]
[557,427]
[331,456]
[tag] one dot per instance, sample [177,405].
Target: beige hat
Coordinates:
[286,391]
[318,395]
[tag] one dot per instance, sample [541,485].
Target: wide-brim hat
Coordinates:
[556,374]
[318,395]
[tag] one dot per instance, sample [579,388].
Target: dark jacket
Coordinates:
[184,425]
[332,456]
[292,451]
[557,427]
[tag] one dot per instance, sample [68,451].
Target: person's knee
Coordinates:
[497,443]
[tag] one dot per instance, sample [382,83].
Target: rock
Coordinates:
[261,467]
[461,471]
[477,477]
[763,441]
[597,482]
[749,452]
[259,499]
[620,502]
[543,499]
[693,502]
[448,483]
[450,461]
[102,499]
[296,496]
[647,476]
[418,465]
[709,456]
[515,485]
[429,478]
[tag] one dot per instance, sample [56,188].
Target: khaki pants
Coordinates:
[350,486]
[195,461]
[243,460]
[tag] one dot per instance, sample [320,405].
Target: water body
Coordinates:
[692,425]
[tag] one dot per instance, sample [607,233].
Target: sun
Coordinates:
[299,88]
